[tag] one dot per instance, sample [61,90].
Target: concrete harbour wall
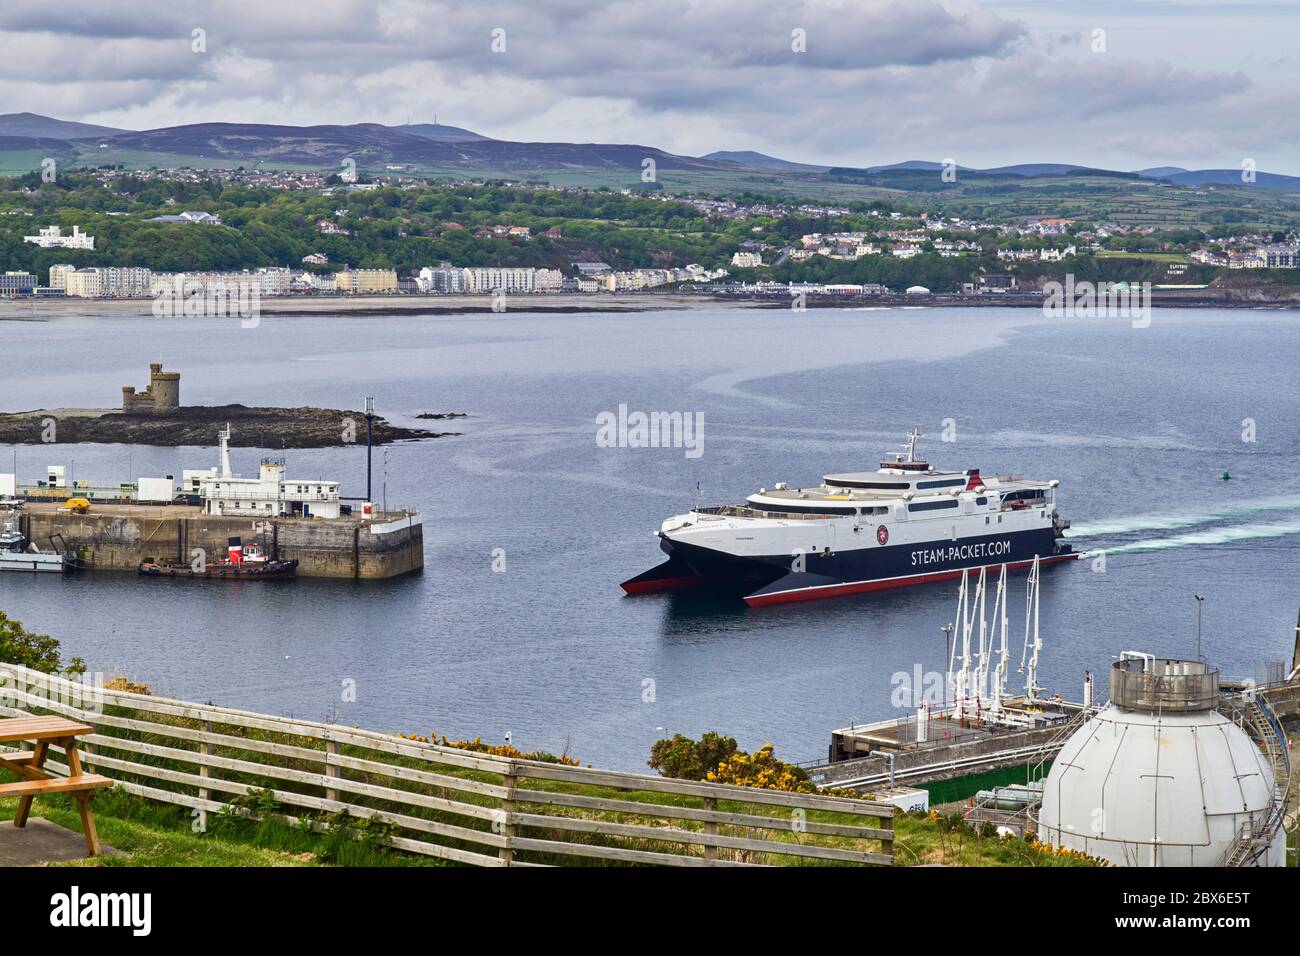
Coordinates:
[119,538]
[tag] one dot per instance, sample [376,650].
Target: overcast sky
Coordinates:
[1195,83]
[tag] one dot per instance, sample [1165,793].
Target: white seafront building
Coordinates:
[498,279]
[51,237]
[101,281]
[448,279]
[445,279]
[442,279]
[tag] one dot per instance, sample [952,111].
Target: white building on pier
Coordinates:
[269,495]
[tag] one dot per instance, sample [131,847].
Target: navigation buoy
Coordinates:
[1226,476]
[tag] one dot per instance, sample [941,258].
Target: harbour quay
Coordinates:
[121,536]
[217,523]
[945,744]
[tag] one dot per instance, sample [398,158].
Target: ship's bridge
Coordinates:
[874,492]
[889,481]
[902,486]
[867,493]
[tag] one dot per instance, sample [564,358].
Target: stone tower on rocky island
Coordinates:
[163,392]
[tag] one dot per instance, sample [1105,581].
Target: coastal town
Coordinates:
[761,244]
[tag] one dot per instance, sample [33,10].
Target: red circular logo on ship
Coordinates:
[882,534]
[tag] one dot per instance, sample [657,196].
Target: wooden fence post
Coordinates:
[509,829]
[206,750]
[205,772]
[711,852]
[331,769]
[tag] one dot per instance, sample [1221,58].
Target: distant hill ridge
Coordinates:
[35,126]
[439,145]
[438,131]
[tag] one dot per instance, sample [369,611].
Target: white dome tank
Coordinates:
[1160,777]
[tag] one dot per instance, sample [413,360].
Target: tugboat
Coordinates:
[15,557]
[241,564]
[904,524]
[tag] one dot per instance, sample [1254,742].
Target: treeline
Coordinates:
[396,228]
[937,273]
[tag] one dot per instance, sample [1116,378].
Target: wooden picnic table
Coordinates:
[36,780]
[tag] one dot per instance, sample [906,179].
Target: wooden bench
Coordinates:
[37,781]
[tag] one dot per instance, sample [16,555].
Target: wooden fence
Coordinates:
[444,802]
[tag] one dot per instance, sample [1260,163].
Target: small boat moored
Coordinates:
[15,552]
[241,564]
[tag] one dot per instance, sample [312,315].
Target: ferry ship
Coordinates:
[904,524]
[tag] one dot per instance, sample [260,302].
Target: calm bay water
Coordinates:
[1138,424]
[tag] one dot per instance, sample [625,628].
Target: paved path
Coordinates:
[43,842]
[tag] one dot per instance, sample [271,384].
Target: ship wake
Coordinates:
[1226,534]
[1173,521]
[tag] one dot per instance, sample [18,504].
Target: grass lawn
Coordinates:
[156,834]
[937,840]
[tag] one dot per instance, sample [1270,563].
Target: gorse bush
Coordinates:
[687,759]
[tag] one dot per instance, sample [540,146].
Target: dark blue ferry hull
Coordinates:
[780,579]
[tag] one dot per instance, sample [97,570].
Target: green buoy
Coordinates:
[1226,476]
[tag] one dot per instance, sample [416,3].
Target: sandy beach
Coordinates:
[39,309]
[387,304]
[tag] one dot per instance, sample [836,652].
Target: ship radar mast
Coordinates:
[907,460]
[912,436]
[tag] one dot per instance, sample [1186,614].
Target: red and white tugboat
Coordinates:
[241,564]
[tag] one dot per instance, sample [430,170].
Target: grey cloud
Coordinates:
[882,79]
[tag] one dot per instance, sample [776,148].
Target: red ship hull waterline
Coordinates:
[271,571]
[825,591]
[240,565]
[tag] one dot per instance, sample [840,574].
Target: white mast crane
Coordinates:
[1000,622]
[965,621]
[1032,645]
[980,683]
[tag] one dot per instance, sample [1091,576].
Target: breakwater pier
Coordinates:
[118,537]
